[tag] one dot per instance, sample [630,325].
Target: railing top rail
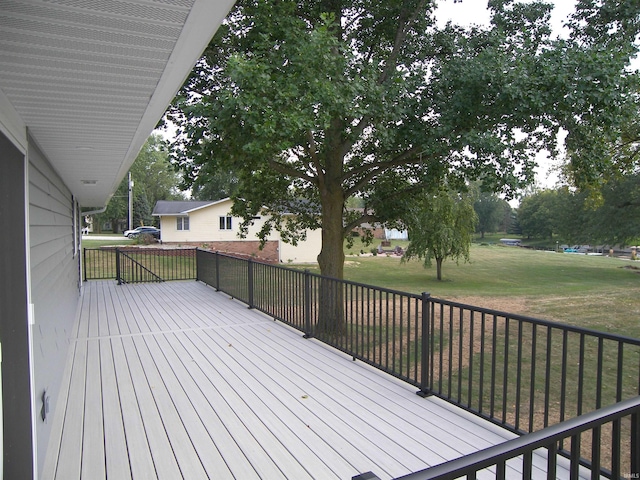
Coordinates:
[520,445]
[319,276]
[538,321]
[487,311]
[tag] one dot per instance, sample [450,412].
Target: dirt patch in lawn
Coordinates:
[519,305]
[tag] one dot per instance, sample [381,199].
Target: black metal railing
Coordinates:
[514,458]
[522,373]
[134,265]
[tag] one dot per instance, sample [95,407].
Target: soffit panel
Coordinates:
[82,74]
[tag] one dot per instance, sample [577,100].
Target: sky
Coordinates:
[468,12]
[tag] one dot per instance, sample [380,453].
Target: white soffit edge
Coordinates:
[90,79]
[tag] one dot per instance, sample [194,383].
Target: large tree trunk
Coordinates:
[439,267]
[331,319]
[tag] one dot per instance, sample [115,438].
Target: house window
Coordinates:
[182,223]
[225,223]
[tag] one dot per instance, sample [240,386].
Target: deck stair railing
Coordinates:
[521,450]
[130,270]
[135,265]
[522,373]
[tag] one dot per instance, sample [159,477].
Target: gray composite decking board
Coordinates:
[247,407]
[69,464]
[187,457]
[347,432]
[166,464]
[138,455]
[93,454]
[175,380]
[395,429]
[115,441]
[211,439]
[390,439]
[250,455]
[274,416]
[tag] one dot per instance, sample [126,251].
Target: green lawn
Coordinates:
[118,239]
[591,291]
[500,271]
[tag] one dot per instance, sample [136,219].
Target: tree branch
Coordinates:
[290,171]
[401,36]
[356,222]
[370,170]
[313,153]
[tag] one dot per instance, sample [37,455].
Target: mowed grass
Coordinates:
[118,240]
[590,291]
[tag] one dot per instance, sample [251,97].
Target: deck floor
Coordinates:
[175,380]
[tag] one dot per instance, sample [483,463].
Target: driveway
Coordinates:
[105,237]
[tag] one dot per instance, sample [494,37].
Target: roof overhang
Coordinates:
[90,80]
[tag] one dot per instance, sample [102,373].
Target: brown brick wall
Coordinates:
[241,248]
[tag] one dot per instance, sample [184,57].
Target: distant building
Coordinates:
[511,242]
[209,224]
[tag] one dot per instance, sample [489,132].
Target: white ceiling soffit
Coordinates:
[91,78]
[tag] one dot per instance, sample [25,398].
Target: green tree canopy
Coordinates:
[617,220]
[154,179]
[491,211]
[536,214]
[611,216]
[309,103]
[440,226]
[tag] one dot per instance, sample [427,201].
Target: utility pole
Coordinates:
[130,202]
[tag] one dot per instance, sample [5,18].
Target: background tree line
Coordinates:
[609,215]
[154,179]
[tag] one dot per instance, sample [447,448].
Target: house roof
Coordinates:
[90,80]
[167,207]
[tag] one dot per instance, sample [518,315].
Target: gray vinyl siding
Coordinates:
[54,283]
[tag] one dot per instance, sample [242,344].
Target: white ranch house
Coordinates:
[210,223]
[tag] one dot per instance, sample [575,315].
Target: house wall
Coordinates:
[55,277]
[16,438]
[305,252]
[204,227]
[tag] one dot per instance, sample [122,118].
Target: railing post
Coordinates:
[84,264]
[307,304]
[118,277]
[250,281]
[198,257]
[217,285]
[635,445]
[425,354]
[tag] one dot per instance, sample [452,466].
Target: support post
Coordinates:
[425,354]
[307,304]
[217,285]
[635,445]
[118,276]
[250,282]
[198,260]
[366,476]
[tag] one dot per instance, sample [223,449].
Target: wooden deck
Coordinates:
[175,380]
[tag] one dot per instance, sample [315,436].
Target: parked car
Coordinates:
[577,249]
[136,232]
